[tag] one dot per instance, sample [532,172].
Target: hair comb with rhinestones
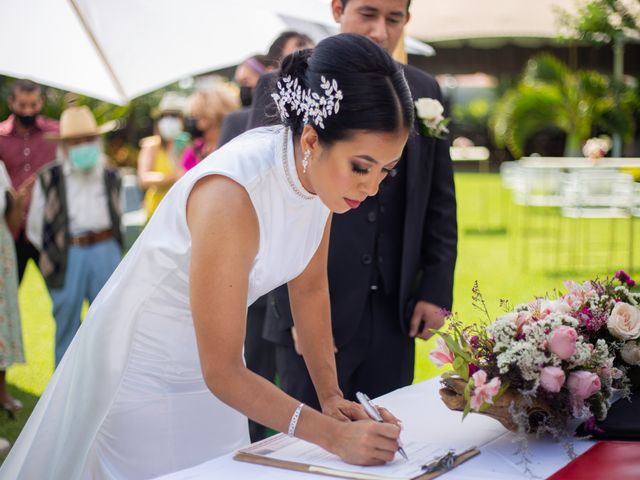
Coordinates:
[291,97]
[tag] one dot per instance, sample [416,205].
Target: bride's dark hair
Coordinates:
[376,96]
[344,3]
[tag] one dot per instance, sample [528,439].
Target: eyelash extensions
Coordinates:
[363,171]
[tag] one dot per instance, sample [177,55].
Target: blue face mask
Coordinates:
[84,156]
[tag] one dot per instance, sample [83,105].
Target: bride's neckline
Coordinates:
[289,164]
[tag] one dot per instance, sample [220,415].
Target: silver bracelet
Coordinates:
[294,420]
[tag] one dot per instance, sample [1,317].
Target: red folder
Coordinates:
[605,460]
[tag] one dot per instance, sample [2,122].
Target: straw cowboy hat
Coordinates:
[79,122]
[171,103]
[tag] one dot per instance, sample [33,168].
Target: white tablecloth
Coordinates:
[427,419]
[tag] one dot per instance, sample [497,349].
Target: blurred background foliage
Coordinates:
[602,21]
[550,95]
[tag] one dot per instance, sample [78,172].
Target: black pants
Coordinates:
[379,359]
[25,251]
[259,354]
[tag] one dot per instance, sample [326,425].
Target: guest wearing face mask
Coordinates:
[159,159]
[246,77]
[74,221]
[208,107]
[24,150]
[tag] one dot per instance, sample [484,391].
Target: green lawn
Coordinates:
[490,251]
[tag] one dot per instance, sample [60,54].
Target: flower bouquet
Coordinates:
[545,362]
[609,310]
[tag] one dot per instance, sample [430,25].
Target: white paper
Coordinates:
[282,447]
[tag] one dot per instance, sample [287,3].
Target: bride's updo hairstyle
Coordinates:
[375,94]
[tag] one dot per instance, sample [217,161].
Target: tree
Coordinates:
[551,95]
[613,22]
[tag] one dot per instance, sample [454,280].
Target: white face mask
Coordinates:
[169,127]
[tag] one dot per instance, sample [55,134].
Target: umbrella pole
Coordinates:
[618,78]
[101,53]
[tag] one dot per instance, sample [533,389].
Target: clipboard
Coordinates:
[258,459]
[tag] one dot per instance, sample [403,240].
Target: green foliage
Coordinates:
[602,21]
[551,95]
[467,397]
[473,114]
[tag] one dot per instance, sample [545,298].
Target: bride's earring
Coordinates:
[305,160]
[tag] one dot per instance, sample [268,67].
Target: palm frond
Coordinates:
[545,68]
[525,111]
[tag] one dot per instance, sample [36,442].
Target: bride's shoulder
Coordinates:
[220,210]
[257,147]
[259,137]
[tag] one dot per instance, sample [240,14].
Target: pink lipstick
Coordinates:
[352,203]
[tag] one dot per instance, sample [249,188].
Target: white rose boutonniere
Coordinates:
[432,121]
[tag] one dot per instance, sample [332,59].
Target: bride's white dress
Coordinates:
[128,399]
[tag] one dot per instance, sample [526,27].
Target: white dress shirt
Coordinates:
[86,204]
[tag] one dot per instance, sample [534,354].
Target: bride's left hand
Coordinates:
[343,410]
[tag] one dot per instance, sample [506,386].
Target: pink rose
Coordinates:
[583,384]
[441,355]
[562,341]
[552,379]
[523,318]
[483,392]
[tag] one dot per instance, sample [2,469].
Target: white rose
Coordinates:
[631,353]
[624,322]
[429,109]
[561,306]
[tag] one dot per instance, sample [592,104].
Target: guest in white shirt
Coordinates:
[74,221]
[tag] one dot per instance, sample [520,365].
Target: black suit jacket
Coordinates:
[234,124]
[429,246]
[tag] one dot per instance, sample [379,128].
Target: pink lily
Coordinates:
[483,392]
[441,355]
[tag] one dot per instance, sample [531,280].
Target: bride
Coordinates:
[155,381]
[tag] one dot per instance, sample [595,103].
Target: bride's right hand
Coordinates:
[366,442]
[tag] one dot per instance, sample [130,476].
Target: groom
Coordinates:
[391,261]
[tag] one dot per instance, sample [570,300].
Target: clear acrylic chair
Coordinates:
[538,193]
[598,194]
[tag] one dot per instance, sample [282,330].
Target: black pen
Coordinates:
[373,412]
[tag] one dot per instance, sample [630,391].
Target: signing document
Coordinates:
[295,454]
